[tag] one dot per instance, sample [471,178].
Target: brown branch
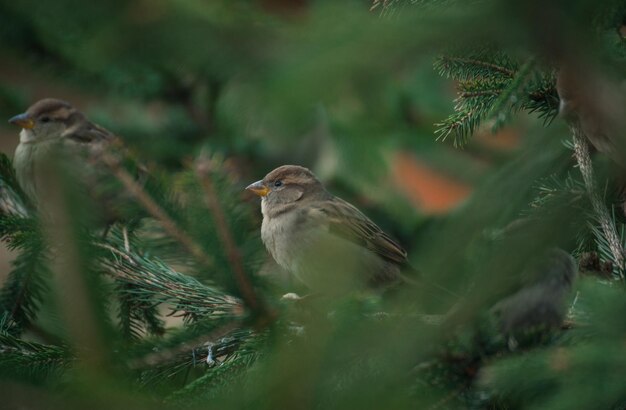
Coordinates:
[224,233]
[137,191]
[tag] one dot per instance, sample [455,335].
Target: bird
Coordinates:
[54,130]
[541,303]
[325,242]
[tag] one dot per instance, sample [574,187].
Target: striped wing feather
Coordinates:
[348,222]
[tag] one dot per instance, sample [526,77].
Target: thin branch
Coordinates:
[224,233]
[581,150]
[480,63]
[169,286]
[165,356]
[470,94]
[137,191]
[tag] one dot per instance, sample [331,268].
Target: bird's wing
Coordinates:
[88,132]
[348,222]
[91,141]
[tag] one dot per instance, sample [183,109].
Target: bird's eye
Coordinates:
[278,183]
[45,119]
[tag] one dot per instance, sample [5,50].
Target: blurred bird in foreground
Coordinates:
[53,131]
[324,241]
[542,303]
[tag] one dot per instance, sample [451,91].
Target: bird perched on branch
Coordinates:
[54,132]
[542,303]
[324,241]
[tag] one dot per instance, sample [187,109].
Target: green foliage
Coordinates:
[30,361]
[145,316]
[491,88]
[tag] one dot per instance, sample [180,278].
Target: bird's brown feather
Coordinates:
[347,221]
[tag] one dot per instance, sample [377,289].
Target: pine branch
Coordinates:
[191,347]
[31,361]
[221,376]
[136,315]
[492,87]
[217,378]
[155,210]
[613,242]
[13,201]
[479,66]
[26,284]
[246,289]
[511,98]
[462,124]
[20,232]
[543,98]
[152,282]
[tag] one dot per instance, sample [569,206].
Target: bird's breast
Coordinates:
[29,163]
[24,164]
[283,239]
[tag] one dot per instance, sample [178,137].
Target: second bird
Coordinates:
[322,240]
[53,130]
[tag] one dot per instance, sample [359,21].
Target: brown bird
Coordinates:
[322,240]
[542,303]
[53,130]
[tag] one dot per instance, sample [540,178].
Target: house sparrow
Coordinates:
[53,130]
[322,240]
[541,304]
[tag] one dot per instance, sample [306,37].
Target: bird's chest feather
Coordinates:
[27,161]
[286,237]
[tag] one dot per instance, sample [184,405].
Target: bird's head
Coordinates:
[46,119]
[287,184]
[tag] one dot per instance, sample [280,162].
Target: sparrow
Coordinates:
[325,242]
[53,130]
[542,303]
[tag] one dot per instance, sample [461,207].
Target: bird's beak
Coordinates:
[22,120]
[258,188]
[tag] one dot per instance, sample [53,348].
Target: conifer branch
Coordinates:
[31,360]
[581,150]
[464,68]
[155,210]
[26,284]
[232,251]
[156,282]
[186,349]
[13,200]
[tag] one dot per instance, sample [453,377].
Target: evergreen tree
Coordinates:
[187,312]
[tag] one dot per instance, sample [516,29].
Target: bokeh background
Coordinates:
[349,90]
[264,84]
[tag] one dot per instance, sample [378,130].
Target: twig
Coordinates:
[164,356]
[155,210]
[117,252]
[470,94]
[187,295]
[581,150]
[224,233]
[480,63]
